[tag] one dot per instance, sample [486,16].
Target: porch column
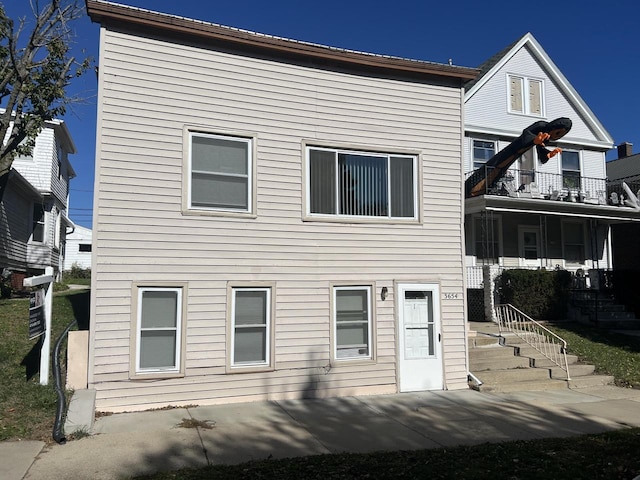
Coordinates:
[489,273]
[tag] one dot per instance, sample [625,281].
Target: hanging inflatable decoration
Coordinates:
[536,134]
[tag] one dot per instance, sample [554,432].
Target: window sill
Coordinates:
[155,375]
[347,362]
[368,220]
[249,369]
[218,213]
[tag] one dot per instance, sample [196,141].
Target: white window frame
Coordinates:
[584,244]
[474,164]
[370,323]
[388,156]
[267,363]
[160,372]
[579,171]
[525,83]
[43,222]
[249,142]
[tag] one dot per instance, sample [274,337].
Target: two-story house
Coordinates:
[273,218]
[542,213]
[34,207]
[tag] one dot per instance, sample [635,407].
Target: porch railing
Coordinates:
[534,334]
[548,186]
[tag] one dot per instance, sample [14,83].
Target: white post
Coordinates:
[47,279]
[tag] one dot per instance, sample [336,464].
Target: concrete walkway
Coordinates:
[130,444]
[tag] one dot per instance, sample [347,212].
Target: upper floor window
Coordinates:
[482,152]
[570,169]
[362,184]
[38,224]
[525,95]
[220,172]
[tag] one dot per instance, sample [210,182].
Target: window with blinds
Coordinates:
[361,184]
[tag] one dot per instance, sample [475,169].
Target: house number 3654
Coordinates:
[450,296]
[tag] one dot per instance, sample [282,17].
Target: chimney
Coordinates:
[625,149]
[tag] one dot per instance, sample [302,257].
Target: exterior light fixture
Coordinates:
[383,294]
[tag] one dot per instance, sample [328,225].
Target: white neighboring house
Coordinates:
[33,213]
[78,248]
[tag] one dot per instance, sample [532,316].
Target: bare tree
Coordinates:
[36,67]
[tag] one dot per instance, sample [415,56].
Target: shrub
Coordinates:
[79,272]
[541,294]
[5,289]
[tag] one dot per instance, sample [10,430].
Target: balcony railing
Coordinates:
[548,186]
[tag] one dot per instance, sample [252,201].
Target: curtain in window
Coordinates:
[322,182]
[535,97]
[402,196]
[362,184]
[516,94]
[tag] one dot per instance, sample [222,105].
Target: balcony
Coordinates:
[569,187]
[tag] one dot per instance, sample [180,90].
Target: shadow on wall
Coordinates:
[80,303]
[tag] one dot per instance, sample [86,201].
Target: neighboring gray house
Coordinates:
[273,218]
[626,236]
[33,212]
[78,248]
[552,215]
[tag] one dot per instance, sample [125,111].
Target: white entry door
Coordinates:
[420,352]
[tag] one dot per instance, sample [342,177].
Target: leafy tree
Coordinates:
[34,74]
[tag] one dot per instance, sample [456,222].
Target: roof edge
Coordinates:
[105,13]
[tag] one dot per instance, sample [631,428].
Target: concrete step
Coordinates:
[481,341]
[511,362]
[513,375]
[618,323]
[550,384]
[541,362]
[590,381]
[577,370]
[525,350]
[497,352]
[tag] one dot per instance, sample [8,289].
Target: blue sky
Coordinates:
[596,48]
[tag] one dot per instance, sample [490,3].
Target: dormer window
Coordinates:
[525,96]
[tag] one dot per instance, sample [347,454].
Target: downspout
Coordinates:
[58,429]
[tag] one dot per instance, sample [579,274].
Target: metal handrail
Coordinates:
[534,334]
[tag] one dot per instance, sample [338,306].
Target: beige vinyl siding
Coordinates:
[141,234]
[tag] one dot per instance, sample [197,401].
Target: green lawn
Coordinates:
[612,353]
[27,408]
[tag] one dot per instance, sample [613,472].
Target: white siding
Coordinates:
[15,227]
[142,236]
[73,255]
[489,104]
